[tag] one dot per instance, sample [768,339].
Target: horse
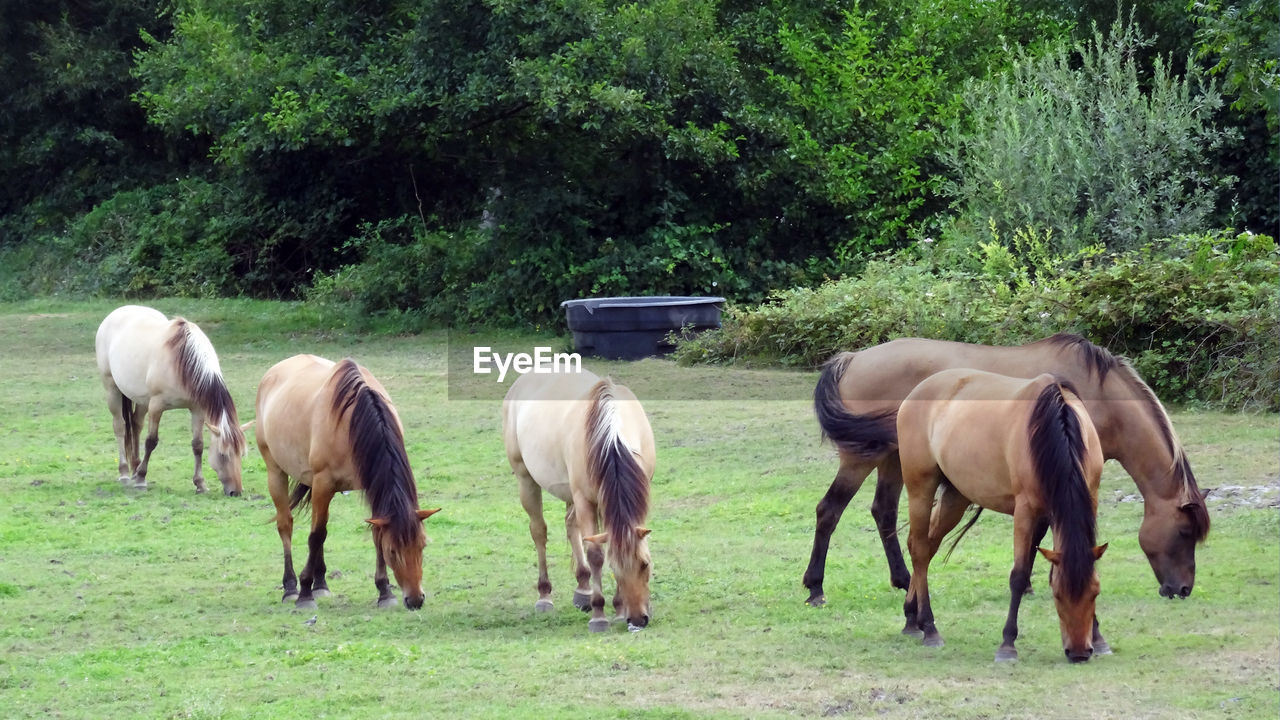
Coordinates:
[1026,448]
[325,428]
[586,441]
[149,364]
[858,394]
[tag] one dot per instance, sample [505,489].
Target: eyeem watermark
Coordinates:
[542,362]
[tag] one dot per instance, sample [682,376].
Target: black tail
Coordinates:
[960,535]
[866,435]
[130,428]
[298,495]
[1057,451]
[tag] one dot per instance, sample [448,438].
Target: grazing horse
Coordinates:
[859,392]
[149,364]
[588,442]
[332,428]
[1025,448]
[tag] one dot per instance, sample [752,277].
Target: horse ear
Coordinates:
[600,539]
[213,429]
[424,514]
[642,532]
[377,522]
[244,427]
[1050,555]
[1097,552]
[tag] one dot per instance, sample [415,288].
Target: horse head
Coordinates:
[1169,541]
[1075,610]
[631,567]
[402,552]
[229,449]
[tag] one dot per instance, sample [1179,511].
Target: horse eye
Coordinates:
[644,565]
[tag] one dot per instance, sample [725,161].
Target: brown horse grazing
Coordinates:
[1025,448]
[332,428]
[588,442]
[858,394]
[149,364]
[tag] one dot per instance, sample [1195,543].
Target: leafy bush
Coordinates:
[1087,144]
[1197,314]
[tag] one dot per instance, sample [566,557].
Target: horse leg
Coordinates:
[853,471]
[1100,645]
[884,509]
[386,598]
[1037,537]
[197,448]
[531,500]
[278,486]
[321,494]
[153,438]
[581,570]
[586,516]
[115,403]
[920,494]
[1025,523]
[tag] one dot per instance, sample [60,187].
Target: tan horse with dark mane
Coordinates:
[587,442]
[1025,448]
[859,393]
[331,428]
[150,364]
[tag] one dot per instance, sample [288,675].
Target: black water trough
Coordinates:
[630,328]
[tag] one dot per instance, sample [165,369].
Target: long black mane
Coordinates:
[1057,452]
[203,383]
[624,486]
[1101,362]
[378,453]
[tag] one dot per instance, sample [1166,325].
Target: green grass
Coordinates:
[165,603]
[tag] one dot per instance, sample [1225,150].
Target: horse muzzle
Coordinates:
[414,602]
[1175,591]
[1078,656]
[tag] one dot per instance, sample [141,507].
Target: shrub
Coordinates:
[1197,314]
[1087,144]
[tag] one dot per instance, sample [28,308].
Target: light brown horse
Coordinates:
[1025,448]
[858,394]
[332,428]
[150,364]
[588,442]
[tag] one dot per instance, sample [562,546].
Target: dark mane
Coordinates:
[1099,359]
[1101,362]
[1057,451]
[624,487]
[377,451]
[203,381]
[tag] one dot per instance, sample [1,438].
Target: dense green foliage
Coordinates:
[1198,315]
[483,160]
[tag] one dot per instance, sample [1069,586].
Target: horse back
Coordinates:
[131,352]
[292,413]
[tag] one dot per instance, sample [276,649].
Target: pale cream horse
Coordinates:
[332,428]
[150,364]
[587,442]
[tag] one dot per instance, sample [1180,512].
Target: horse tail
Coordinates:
[199,373]
[377,452]
[867,436]
[973,520]
[298,494]
[1058,455]
[130,427]
[614,468]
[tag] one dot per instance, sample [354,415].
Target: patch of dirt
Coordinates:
[1266,495]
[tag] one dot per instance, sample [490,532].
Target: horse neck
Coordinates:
[1137,433]
[377,451]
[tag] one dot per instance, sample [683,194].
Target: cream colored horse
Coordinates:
[150,364]
[332,428]
[587,442]
[1026,448]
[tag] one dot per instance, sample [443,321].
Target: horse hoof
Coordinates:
[1006,655]
[140,485]
[816,601]
[308,604]
[934,641]
[581,601]
[1101,647]
[911,631]
[125,480]
[289,598]
[543,605]
[598,625]
[320,592]
[388,603]
[200,488]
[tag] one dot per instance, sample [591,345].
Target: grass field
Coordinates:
[165,603]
